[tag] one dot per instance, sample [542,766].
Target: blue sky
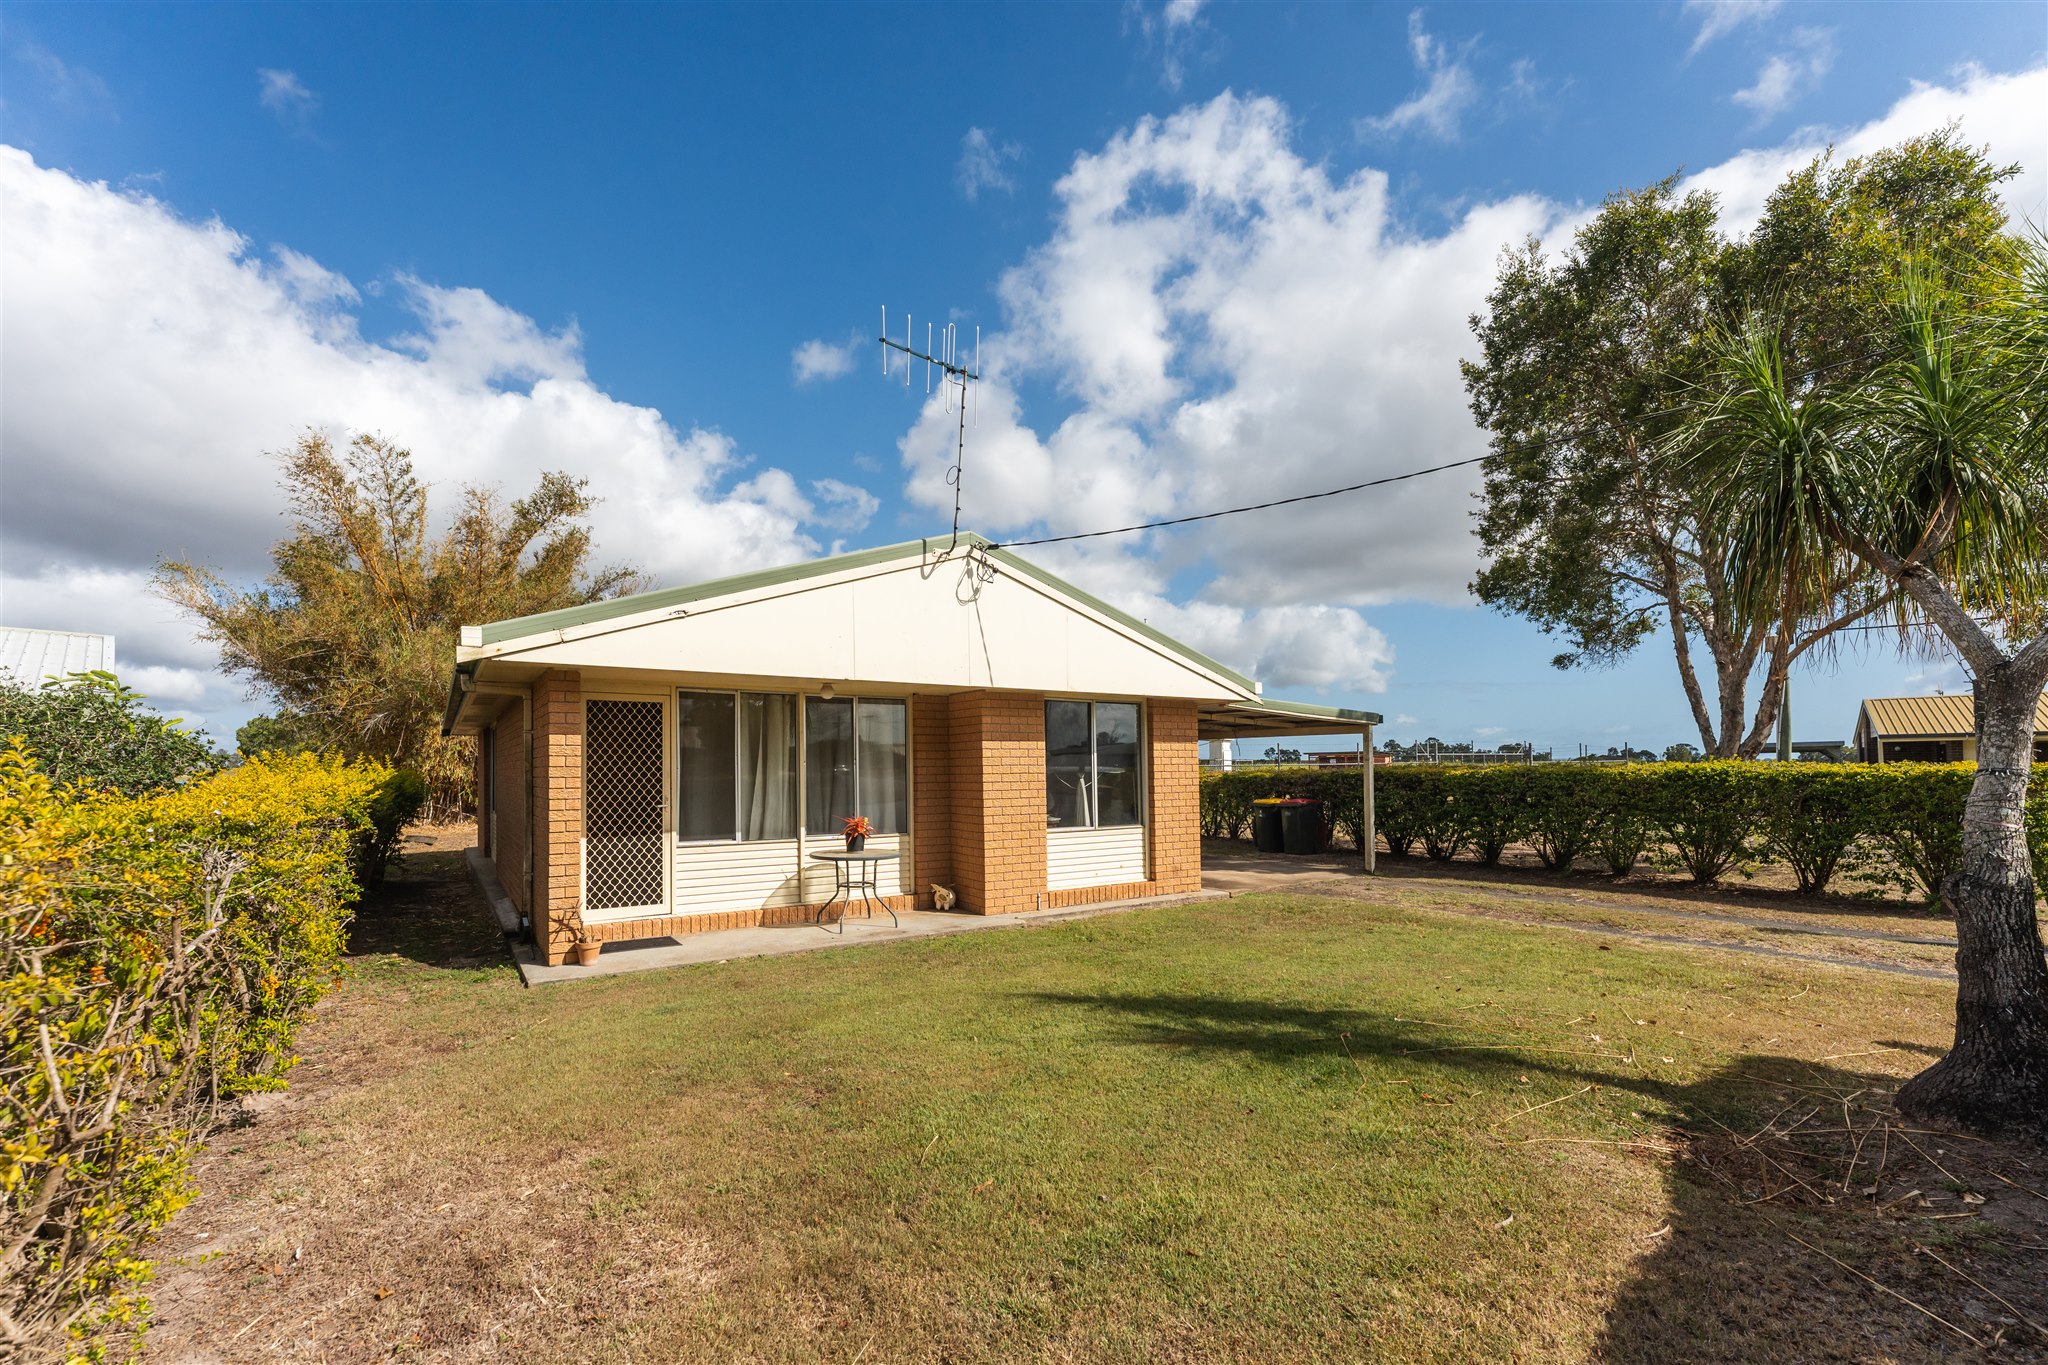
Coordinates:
[1220,252]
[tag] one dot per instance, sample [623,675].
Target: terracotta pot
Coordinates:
[586,952]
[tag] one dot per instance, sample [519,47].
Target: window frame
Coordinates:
[803,817]
[1141,767]
[738,823]
[802,775]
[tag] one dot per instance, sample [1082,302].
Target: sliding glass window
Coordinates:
[737,760]
[856,763]
[1093,772]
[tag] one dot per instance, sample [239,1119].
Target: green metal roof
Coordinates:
[590,613]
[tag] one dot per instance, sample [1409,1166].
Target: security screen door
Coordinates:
[622,806]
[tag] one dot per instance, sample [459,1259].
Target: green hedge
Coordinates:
[1896,826]
[158,953]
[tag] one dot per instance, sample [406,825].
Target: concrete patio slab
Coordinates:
[646,955]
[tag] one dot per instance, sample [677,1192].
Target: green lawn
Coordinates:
[1274,1128]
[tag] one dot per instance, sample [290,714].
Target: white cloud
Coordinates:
[1719,17]
[150,361]
[985,164]
[1448,90]
[1224,322]
[286,97]
[846,507]
[72,88]
[1788,75]
[1171,32]
[815,360]
[2002,112]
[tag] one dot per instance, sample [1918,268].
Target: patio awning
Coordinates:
[1275,719]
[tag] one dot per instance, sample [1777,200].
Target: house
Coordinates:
[672,762]
[27,657]
[1937,729]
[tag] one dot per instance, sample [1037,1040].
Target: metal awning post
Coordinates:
[1368,832]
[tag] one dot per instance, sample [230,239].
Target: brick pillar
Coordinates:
[998,825]
[931,786]
[1175,801]
[557,813]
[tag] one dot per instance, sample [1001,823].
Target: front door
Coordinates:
[623,844]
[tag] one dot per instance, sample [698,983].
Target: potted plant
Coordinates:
[857,831]
[588,946]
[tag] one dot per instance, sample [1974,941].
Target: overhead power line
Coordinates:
[1807,374]
[1250,507]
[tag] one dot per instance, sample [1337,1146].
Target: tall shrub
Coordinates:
[1626,801]
[1495,808]
[157,955]
[1811,816]
[1707,813]
[88,729]
[1915,813]
[1565,804]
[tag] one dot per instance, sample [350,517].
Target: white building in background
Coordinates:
[29,656]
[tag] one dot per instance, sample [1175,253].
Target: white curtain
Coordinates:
[880,728]
[767,766]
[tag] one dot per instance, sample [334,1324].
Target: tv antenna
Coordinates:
[946,365]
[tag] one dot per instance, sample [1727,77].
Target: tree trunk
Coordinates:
[1996,1075]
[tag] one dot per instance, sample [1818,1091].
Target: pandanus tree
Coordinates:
[1931,478]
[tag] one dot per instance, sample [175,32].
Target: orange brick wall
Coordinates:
[1175,813]
[931,796]
[557,813]
[978,814]
[998,785]
[509,799]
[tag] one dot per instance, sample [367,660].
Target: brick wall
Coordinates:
[978,814]
[1175,814]
[557,813]
[931,787]
[510,803]
[998,785]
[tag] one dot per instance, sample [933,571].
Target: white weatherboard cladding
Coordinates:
[892,877]
[905,624]
[1109,856]
[761,874]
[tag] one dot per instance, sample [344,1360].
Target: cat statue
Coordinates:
[943,897]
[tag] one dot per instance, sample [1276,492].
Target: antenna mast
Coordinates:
[942,352]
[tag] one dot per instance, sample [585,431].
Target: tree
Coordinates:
[1931,481]
[1274,754]
[1585,364]
[1681,753]
[89,730]
[354,634]
[288,734]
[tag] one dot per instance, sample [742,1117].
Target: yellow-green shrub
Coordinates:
[157,954]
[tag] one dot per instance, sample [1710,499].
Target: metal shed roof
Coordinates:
[1950,716]
[29,656]
[1270,719]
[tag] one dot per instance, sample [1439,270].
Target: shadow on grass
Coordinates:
[1763,1210]
[427,911]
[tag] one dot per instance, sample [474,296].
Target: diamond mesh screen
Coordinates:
[622,845]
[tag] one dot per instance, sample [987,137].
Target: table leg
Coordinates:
[838,885]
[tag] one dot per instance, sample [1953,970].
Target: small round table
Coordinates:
[855,872]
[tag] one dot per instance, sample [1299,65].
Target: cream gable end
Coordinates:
[918,621]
